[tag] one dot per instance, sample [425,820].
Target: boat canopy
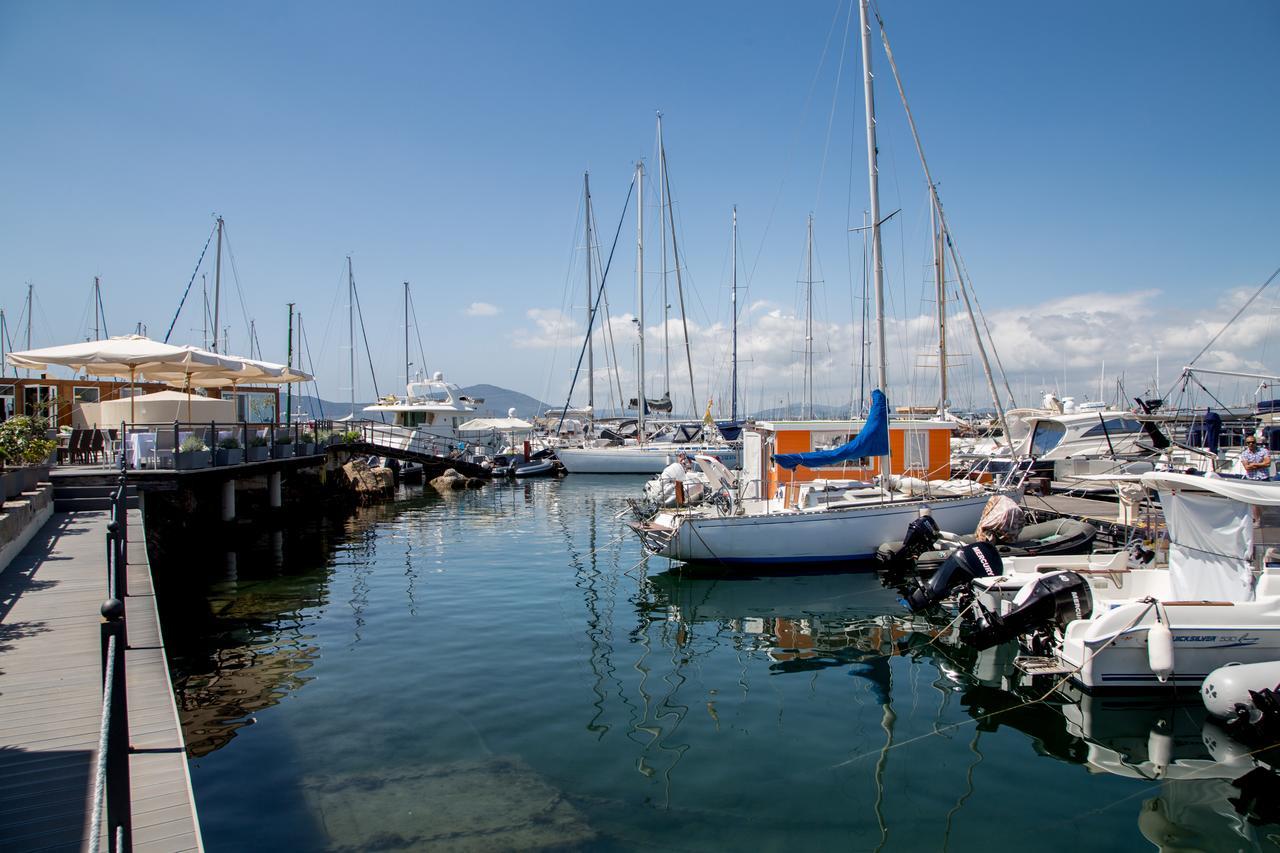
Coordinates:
[871,440]
[1257,492]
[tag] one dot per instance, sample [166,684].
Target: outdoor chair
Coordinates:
[96,446]
[162,454]
[66,452]
[80,448]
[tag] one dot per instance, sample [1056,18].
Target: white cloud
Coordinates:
[482,309]
[1059,344]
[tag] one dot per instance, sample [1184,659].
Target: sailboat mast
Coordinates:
[217,286]
[873,179]
[288,387]
[808,322]
[406,337]
[97,300]
[351,331]
[591,364]
[733,302]
[940,282]
[640,402]
[663,201]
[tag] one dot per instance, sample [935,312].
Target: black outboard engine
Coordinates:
[921,536]
[979,560]
[1052,601]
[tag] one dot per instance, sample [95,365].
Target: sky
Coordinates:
[1109,173]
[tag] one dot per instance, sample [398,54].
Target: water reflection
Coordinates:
[1204,791]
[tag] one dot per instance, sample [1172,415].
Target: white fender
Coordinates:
[1229,686]
[1160,650]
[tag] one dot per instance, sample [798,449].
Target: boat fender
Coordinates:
[1159,751]
[1160,650]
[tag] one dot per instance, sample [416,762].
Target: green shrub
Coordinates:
[192,444]
[307,437]
[22,439]
[230,443]
[351,436]
[258,441]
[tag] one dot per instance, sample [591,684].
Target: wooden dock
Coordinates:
[51,695]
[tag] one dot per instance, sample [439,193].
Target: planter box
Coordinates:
[12,483]
[256,454]
[282,451]
[31,476]
[229,457]
[192,459]
[306,449]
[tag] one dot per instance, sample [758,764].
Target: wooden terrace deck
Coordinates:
[51,695]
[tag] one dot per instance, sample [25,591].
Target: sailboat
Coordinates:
[645,454]
[823,491]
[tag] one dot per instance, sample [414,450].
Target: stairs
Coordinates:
[72,496]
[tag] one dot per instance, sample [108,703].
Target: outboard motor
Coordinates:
[921,536]
[979,560]
[1052,601]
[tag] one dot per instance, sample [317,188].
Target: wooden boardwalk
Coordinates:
[51,695]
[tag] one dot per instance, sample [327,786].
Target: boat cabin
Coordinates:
[917,448]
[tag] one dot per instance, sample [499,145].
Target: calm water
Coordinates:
[499,670]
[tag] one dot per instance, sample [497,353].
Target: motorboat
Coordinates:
[427,416]
[646,454]
[1124,626]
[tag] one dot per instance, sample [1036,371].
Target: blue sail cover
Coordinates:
[873,440]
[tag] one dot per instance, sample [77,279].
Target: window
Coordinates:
[40,400]
[255,407]
[915,449]
[832,440]
[1046,437]
[85,393]
[1118,426]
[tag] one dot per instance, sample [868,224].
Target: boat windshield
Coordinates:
[1046,437]
[432,392]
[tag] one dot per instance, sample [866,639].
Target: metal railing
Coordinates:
[410,439]
[111,779]
[186,445]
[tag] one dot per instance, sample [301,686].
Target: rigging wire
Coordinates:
[190,282]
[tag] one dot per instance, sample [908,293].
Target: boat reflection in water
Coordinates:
[1206,791]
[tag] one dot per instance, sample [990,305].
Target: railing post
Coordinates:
[116,723]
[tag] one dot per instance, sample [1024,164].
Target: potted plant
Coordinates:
[306,443]
[351,436]
[283,448]
[192,453]
[23,442]
[257,449]
[229,451]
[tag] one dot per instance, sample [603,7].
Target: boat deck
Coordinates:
[51,695]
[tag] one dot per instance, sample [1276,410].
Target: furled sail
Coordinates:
[662,404]
[872,440]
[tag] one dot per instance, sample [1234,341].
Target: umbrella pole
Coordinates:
[132,393]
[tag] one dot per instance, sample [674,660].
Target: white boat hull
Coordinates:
[1105,654]
[637,459]
[812,536]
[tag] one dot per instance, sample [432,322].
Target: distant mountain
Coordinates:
[496,402]
[794,412]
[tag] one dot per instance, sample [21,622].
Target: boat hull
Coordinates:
[819,536]
[1205,637]
[647,459]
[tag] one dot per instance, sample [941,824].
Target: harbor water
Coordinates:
[500,669]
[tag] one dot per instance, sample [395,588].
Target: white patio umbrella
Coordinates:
[250,370]
[125,356]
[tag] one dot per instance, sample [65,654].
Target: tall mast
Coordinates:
[204,321]
[97,300]
[406,338]
[288,387]
[351,331]
[30,303]
[663,201]
[733,302]
[591,365]
[217,286]
[675,256]
[808,322]
[940,283]
[640,402]
[873,179]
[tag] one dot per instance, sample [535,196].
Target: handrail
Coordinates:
[111,778]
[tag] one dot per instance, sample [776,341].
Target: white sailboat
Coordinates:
[644,454]
[782,510]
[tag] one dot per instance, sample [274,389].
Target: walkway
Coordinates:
[51,695]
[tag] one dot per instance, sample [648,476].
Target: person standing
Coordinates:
[1256,460]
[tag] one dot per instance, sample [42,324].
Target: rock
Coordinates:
[475,483]
[449,481]
[364,482]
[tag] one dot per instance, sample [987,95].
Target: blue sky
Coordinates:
[1109,170]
